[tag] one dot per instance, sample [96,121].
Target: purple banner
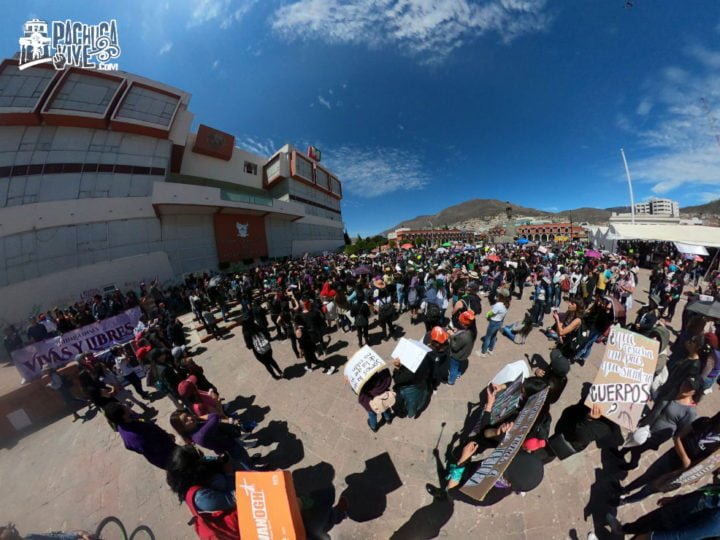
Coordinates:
[60,350]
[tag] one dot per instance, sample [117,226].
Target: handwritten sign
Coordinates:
[493,466]
[692,475]
[507,402]
[411,353]
[361,366]
[622,385]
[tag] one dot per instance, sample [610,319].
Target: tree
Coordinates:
[346,237]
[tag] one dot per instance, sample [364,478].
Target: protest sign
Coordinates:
[507,402]
[58,351]
[492,467]
[622,385]
[267,506]
[510,371]
[361,366]
[692,475]
[410,353]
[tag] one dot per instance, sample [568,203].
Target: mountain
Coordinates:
[475,209]
[485,213]
[713,207]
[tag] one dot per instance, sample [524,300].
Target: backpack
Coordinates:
[432,312]
[260,343]
[387,311]
[565,284]
[577,341]
[540,293]
[219,525]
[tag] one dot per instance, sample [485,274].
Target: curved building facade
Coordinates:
[103,185]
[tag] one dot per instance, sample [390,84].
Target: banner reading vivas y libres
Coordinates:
[60,350]
[622,385]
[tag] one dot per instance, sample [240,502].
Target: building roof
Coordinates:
[688,234]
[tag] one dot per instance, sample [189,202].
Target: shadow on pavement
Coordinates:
[367,491]
[295,371]
[428,521]
[289,450]
[237,403]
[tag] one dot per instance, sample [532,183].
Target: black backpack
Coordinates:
[432,312]
[573,344]
[386,312]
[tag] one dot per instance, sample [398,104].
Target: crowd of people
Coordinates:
[462,298]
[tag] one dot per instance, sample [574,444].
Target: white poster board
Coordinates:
[410,353]
[511,371]
[361,366]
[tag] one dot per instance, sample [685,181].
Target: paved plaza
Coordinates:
[72,474]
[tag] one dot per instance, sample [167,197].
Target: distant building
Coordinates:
[547,232]
[435,236]
[659,207]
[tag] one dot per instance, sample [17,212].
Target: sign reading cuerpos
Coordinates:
[622,385]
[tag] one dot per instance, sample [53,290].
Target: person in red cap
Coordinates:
[202,403]
[461,345]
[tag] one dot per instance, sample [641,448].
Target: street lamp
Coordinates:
[432,229]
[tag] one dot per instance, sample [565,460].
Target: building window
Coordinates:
[250,168]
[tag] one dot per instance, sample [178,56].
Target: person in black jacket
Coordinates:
[257,339]
[413,387]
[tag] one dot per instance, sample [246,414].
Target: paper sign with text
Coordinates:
[622,384]
[411,353]
[492,467]
[361,366]
[692,475]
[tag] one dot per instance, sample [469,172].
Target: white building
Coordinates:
[102,184]
[659,207]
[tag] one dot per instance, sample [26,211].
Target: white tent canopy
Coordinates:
[690,249]
[688,235]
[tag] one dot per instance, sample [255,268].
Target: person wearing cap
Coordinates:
[439,341]
[469,301]
[461,345]
[495,318]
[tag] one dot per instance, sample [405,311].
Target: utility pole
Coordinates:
[632,198]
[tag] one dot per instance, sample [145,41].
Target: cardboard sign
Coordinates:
[510,372]
[622,385]
[507,402]
[267,506]
[694,474]
[493,466]
[411,353]
[362,365]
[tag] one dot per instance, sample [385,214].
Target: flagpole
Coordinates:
[632,197]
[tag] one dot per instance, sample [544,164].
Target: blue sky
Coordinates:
[421,104]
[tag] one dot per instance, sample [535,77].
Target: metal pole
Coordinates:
[632,197]
[432,229]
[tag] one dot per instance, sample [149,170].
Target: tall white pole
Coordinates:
[632,197]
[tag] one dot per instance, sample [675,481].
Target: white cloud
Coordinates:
[324,102]
[644,107]
[681,133]
[215,64]
[226,12]
[166,48]
[708,196]
[371,172]
[429,29]
[264,147]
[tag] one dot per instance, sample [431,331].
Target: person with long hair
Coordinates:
[257,339]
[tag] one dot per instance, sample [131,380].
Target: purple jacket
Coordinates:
[146,438]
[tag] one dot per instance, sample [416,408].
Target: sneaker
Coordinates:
[373,429]
[481,354]
[490,352]
[330,370]
[308,368]
[614,523]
